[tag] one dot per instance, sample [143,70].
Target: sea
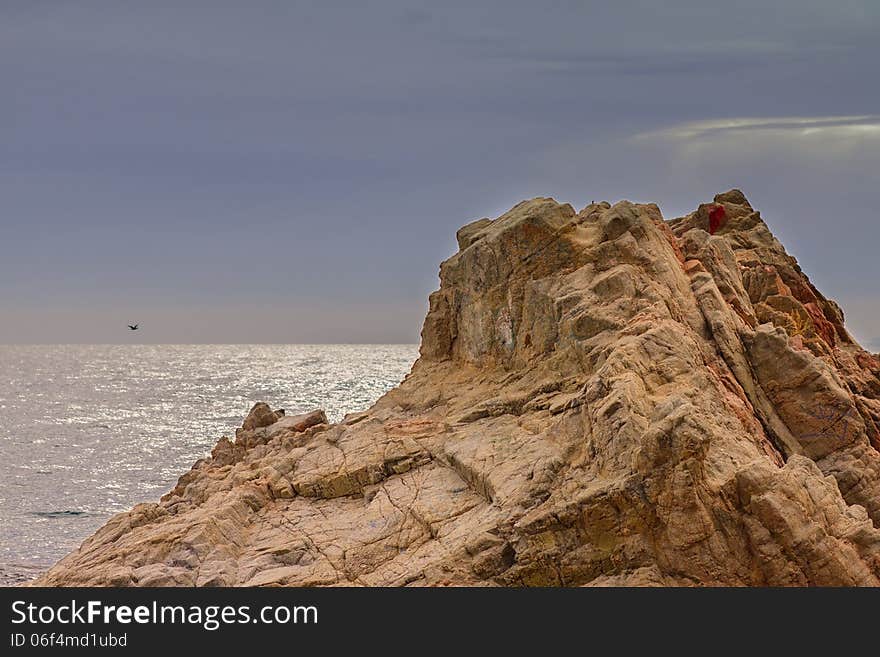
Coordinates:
[88,431]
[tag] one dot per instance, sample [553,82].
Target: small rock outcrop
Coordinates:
[603,398]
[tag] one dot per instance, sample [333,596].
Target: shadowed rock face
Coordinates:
[602,398]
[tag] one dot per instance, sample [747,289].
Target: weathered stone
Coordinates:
[603,398]
[469,234]
[261,416]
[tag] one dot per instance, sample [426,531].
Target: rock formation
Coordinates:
[602,398]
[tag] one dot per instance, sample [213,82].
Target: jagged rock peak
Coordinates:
[602,398]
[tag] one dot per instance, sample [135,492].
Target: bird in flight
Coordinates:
[133,327]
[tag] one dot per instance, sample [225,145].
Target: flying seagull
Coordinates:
[133,327]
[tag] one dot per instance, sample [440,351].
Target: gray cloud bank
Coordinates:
[295,171]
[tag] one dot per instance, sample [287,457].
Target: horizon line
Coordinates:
[205,344]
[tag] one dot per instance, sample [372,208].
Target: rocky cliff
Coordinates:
[602,398]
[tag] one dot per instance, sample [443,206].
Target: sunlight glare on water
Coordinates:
[88,431]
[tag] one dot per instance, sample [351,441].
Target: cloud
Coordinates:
[793,127]
[850,140]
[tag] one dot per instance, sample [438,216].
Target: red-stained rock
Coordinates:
[823,327]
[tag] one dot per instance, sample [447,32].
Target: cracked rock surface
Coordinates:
[603,398]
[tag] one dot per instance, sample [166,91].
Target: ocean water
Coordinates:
[89,431]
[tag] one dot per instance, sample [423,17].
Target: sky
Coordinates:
[282,171]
